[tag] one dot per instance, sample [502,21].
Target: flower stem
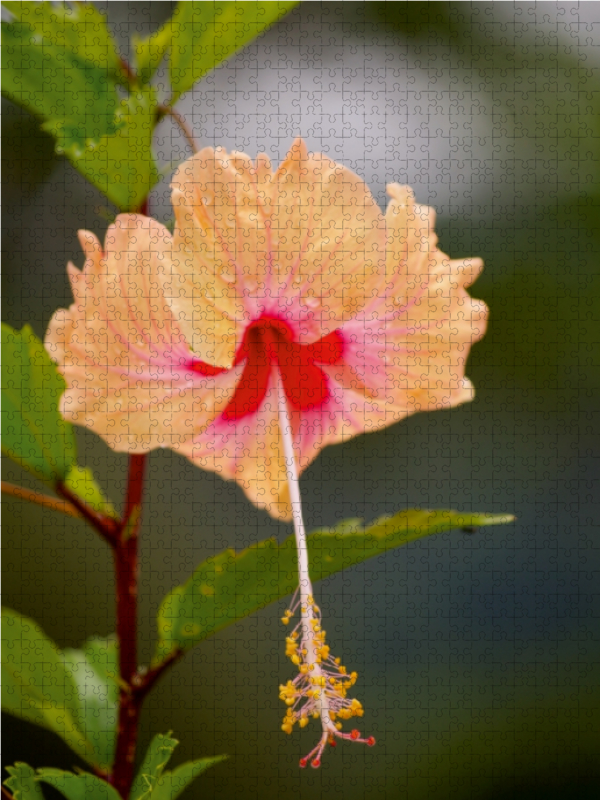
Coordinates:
[126,574]
[165,110]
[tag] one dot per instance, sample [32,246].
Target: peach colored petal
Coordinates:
[121,352]
[309,239]
[423,329]
[222,242]
[249,451]
[330,235]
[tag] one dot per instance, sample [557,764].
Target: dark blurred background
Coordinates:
[478,654]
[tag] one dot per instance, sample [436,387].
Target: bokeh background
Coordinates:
[478,654]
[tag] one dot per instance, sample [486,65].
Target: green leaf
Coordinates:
[22,782]
[81,482]
[60,62]
[35,684]
[78,787]
[205,34]
[122,165]
[102,653]
[149,52]
[230,586]
[48,74]
[33,432]
[98,695]
[156,759]
[77,27]
[173,782]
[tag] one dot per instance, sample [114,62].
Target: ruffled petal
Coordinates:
[249,451]
[121,352]
[330,240]
[223,246]
[308,241]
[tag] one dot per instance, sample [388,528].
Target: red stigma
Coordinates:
[315,763]
[355,734]
[269,343]
[303,762]
[371,741]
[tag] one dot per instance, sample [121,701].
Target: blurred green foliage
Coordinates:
[231,586]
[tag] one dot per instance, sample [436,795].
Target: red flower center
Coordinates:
[269,344]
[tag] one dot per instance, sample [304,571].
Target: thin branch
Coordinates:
[143,681]
[107,527]
[63,506]
[180,120]
[6,794]
[131,76]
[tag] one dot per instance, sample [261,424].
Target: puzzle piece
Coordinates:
[475,649]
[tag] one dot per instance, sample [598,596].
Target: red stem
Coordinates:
[126,573]
[107,527]
[144,681]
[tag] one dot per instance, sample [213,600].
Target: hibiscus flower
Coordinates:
[290,276]
[285,313]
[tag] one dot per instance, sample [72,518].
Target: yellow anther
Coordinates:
[303,722]
[285,620]
[356,709]
[295,660]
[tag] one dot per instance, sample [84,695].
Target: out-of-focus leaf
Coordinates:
[81,482]
[35,684]
[77,27]
[60,62]
[122,165]
[102,653]
[98,696]
[149,52]
[173,782]
[156,759]
[230,586]
[78,787]
[205,34]
[75,97]
[33,432]
[22,782]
